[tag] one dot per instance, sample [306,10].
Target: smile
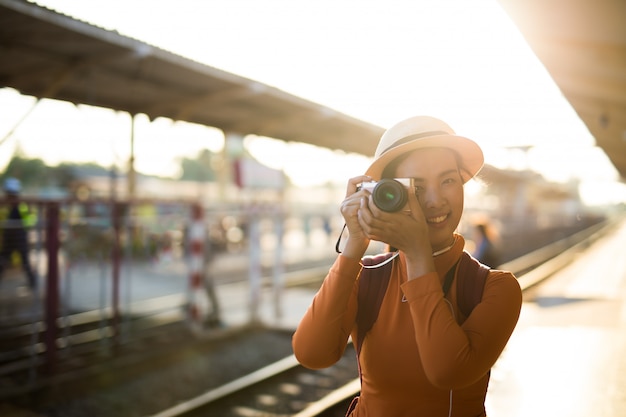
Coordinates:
[437,220]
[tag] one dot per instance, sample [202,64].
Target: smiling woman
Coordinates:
[423,352]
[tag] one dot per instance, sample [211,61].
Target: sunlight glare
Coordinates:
[377,61]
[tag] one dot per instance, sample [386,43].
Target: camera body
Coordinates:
[389,194]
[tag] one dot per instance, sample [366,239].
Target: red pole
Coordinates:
[197,296]
[116,260]
[52,290]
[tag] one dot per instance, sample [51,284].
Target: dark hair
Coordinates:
[390,170]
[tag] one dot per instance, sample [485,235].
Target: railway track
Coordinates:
[282,388]
[86,337]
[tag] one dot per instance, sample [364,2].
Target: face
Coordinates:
[439,190]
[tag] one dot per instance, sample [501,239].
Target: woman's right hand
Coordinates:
[357,241]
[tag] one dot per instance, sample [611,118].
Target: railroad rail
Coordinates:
[282,388]
[94,332]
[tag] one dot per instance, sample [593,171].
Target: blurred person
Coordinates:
[328,228]
[15,234]
[486,251]
[422,356]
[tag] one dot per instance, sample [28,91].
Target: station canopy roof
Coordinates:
[582,44]
[50,55]
[45,54]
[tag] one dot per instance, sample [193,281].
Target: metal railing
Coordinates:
[115,247]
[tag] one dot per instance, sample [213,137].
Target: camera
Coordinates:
[389,194]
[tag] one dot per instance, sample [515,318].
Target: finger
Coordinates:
[373,221]
[349,209]
[364,214]
[353,183]
[414,206]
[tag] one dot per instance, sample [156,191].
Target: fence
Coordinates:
[94,256]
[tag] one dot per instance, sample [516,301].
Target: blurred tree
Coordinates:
[64,174]
[199,169]
[31,172]
[34,173]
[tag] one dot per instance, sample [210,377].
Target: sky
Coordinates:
[377,60]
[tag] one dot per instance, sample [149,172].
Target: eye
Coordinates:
[450,181]
[417,189]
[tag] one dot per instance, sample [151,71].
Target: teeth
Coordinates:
[437,219]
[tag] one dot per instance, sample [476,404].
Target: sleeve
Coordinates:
[456,355]
[322,334]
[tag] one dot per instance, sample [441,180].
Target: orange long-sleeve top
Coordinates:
[416,360]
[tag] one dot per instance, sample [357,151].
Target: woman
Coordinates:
[417,360]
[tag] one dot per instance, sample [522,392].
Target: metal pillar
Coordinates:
[117,210]
[279,270]
[254,272]
[52,287]
[233,149]
[132,175]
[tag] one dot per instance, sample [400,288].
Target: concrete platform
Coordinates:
[567,356]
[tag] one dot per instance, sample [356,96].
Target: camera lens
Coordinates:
[389,195]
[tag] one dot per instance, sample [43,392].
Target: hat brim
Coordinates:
[469,152]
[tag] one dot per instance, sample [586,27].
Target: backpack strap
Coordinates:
[471,278]
[372,288]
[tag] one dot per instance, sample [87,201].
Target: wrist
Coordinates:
[419,263]
[355,248]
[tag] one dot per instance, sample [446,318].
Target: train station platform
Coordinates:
[567,356]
